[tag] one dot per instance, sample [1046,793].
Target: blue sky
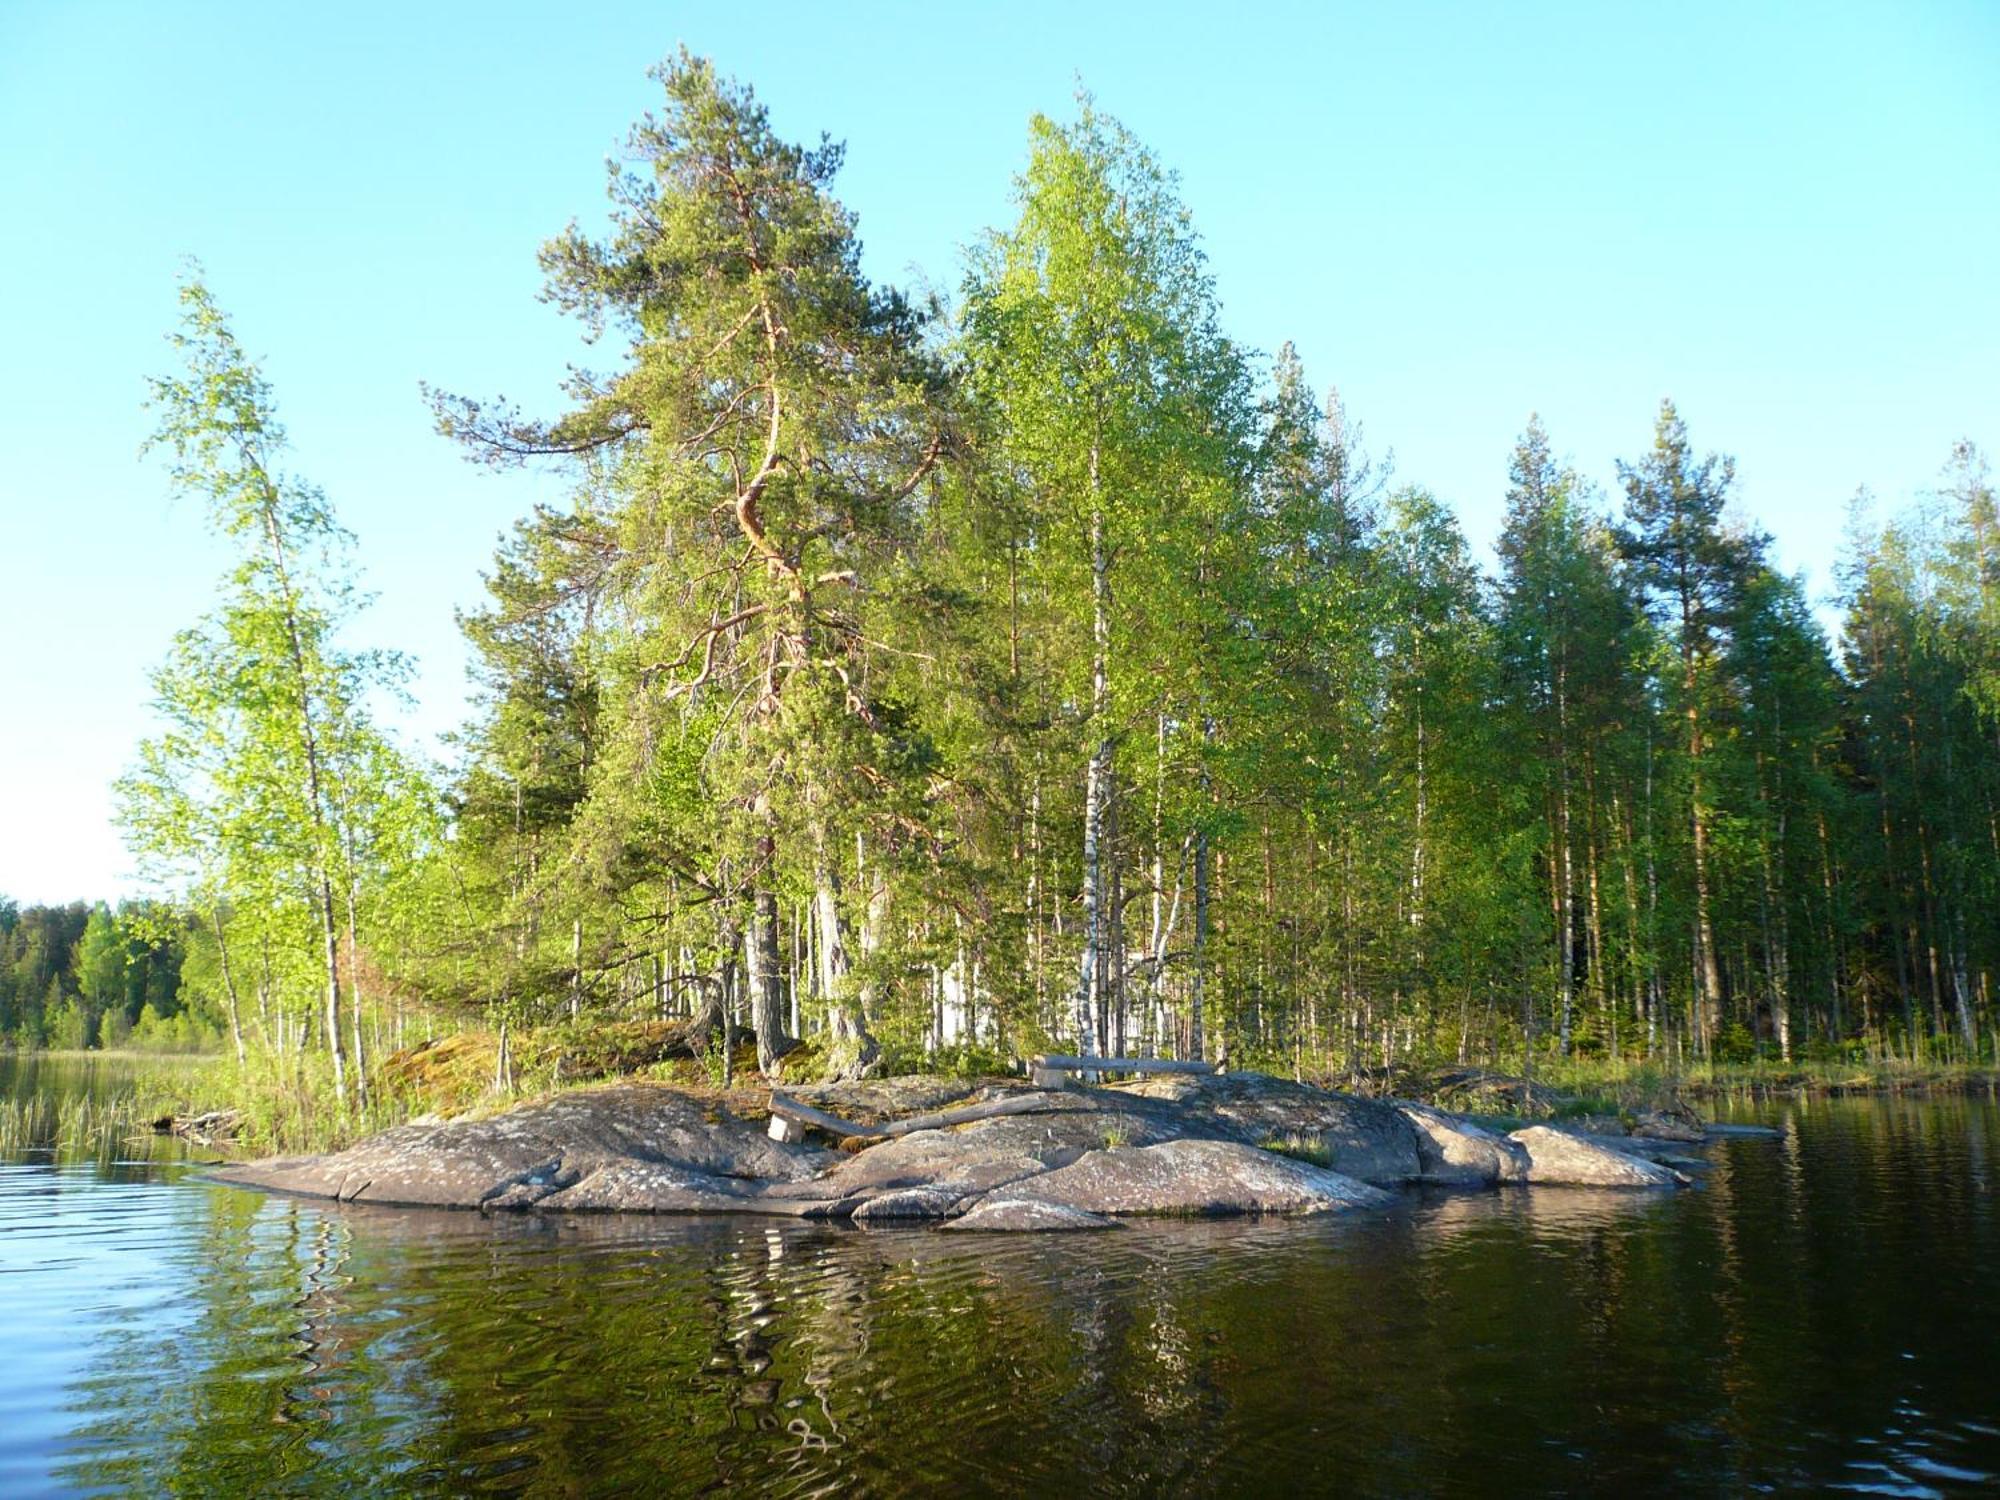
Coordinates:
[1786,217]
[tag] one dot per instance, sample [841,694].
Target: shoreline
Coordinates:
[994,1154]
[108,1054]
[449,1079]
[1800,1079]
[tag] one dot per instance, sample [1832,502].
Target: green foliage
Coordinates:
[948,683]
[268,807]
[959,1059]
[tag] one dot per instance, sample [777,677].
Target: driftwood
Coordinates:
[789,1118]
[204,1129]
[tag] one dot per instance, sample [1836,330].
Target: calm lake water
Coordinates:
[1824,1313]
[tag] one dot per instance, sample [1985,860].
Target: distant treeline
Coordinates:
[83,975]
[1048,669]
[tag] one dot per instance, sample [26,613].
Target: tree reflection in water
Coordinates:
[1813,1308]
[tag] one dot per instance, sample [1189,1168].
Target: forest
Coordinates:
[80,976]
[901,678]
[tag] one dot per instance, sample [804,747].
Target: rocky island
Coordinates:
[1016,1158]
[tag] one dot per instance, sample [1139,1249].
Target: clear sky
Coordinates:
[1787,217]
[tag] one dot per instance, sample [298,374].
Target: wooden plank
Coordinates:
[1056,1062]
[805,1114]
[1012,1104]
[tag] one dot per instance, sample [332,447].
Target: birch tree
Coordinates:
[1094,337]
[267,779]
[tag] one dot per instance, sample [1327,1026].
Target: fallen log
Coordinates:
[215,1124]
[1010,1104]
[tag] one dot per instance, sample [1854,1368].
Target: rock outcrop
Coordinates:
[661,1143]
[1458,1153]
[1559,1158]
[1068,1159]
[1194,1178]
[1368,1139]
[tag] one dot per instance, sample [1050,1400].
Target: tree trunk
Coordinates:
[854,1050]
[228,984]
[316,796]
[1090,976]
[1564,873]
[1197,985]
[354,1009]
[767,999]
[330,955]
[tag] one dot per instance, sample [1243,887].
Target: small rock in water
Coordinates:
[1556,1157]
[1458,1153]
[1669,1125]
[1027,1215]
[906,1204]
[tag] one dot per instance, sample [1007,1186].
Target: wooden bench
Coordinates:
[1051,1071]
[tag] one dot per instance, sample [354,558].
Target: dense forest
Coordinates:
[80,976]
[1048,669]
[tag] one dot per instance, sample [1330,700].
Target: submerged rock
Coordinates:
[1026,1215]
[1558,1157]
[1196,1177]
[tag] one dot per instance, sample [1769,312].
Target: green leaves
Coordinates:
[937,663]
[268,802]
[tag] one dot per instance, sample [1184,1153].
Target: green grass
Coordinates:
[1300,1148]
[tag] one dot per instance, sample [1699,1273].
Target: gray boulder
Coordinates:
[1457,1153]
[1558,1157]
[989,1154]
[1196,1178]
[1364,1138]
[665,1144]
[905,1205]
[656,1188]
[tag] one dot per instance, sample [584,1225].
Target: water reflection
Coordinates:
[1814,1315]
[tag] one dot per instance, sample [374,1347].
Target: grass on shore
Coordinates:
[289,1106]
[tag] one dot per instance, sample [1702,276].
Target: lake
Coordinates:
[1822,1313]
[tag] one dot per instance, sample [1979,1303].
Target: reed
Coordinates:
[78,1128]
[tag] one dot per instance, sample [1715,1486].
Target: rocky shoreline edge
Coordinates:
[1060,1158]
